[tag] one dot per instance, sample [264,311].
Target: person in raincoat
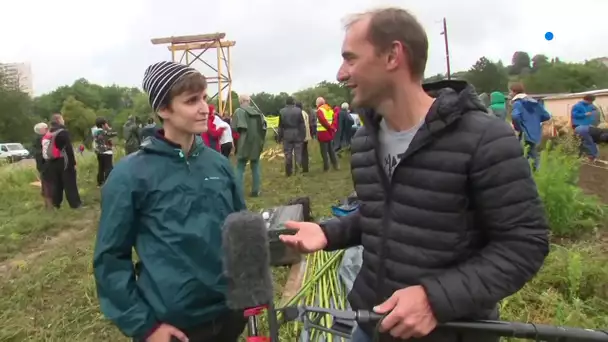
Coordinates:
[528,116]
[131,134]
[169,201]
[498,105]
[251,127]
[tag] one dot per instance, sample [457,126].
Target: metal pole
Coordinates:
[447,49]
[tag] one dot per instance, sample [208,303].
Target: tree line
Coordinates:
[82,102]
[540,74]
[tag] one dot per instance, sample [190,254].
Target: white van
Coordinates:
[13,152]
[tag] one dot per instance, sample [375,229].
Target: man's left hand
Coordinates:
[410,313]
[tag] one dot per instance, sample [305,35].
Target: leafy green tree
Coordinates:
[78,118]
[487,76]
[16,120]
[520,63]
[539,61]
[567,77]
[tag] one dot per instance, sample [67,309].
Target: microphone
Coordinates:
[246,259]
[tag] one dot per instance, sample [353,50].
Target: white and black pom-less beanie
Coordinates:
[160,78]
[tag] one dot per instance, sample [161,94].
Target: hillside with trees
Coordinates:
[82,101]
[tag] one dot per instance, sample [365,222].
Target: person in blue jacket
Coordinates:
[584,114]
[528,115]
[168,201]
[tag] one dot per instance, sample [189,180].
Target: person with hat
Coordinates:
[168,202]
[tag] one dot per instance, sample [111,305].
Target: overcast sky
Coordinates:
[281,45]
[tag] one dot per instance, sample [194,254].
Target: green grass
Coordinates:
[48,292]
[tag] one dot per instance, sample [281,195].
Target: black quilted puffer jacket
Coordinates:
[461,216]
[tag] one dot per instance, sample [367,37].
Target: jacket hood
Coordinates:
[497,98]
[485,99]
[158,144]
[453,98]
[529,103]
[251,110]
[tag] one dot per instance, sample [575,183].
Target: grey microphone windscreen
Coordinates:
[246,260]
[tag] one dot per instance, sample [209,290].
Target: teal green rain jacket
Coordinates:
[170,207]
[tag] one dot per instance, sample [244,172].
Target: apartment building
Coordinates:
[20,75]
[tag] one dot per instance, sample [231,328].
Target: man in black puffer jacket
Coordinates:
[450,218]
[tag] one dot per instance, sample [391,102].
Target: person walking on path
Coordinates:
[528,116]
[251,127]
[326,129]
[450,219]
[291,132]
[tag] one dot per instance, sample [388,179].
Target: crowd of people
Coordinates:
[333,128]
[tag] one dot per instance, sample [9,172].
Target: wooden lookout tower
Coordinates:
[191,49]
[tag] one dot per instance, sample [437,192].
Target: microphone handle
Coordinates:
[510,329]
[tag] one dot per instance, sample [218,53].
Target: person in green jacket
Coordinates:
[169,201]
[131,135]
[251,126]
[498,105]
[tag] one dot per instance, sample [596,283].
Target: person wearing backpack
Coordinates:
[58,152]
[102,136]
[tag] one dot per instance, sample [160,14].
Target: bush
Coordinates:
[570,211]
[570,290]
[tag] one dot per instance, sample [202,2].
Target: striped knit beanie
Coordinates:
[160,77]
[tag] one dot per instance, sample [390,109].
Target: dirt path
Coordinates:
[64,238]
[593,179]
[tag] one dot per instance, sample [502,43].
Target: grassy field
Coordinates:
[48,293]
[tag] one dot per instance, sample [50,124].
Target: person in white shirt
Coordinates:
[226,141]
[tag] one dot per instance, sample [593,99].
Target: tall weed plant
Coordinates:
[570,211]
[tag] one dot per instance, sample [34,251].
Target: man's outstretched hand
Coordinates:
[308,239]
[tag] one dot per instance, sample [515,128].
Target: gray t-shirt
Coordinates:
[393,145]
